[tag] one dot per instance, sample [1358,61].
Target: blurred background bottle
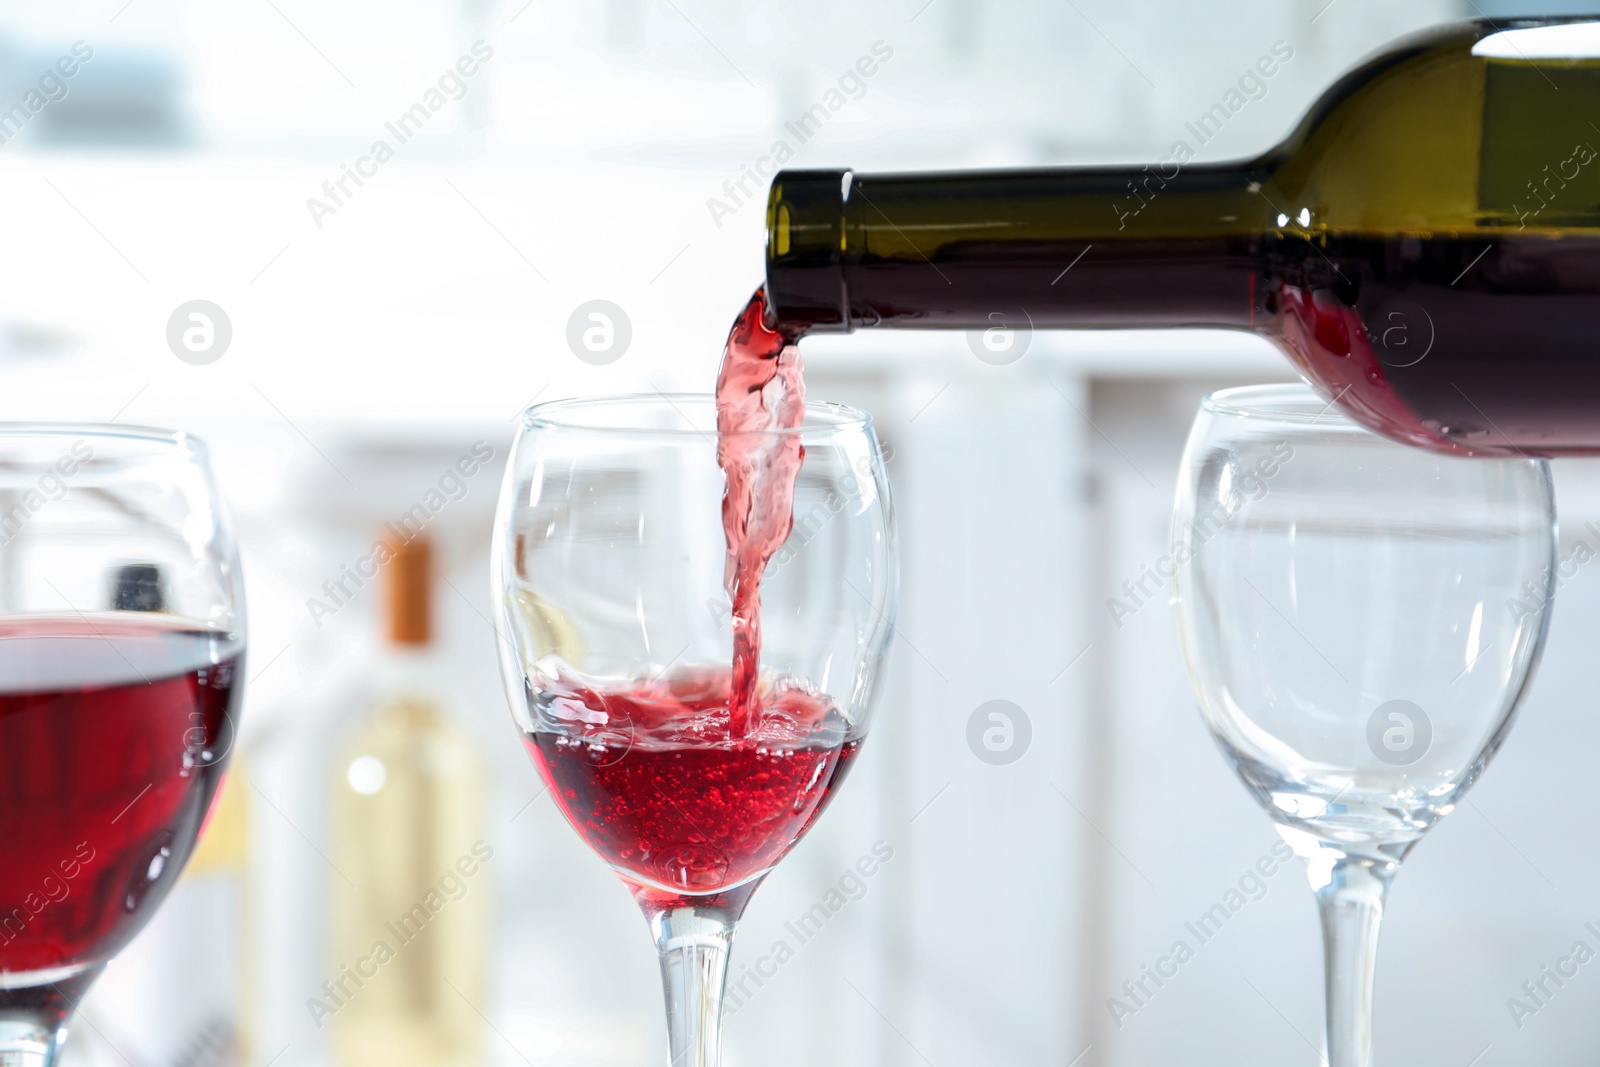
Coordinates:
[409,900]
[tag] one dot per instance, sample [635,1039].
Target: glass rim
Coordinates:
[1287,403]
[178,439]
[823,418]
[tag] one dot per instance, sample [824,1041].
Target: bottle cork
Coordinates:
[410,587]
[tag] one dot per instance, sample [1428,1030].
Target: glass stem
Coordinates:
[693,941]
[29,1042]
[33,1018]
[1351,905]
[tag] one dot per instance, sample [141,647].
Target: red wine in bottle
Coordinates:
[1425,247]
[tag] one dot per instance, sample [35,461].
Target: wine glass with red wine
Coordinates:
[1361,620]
[691,761]
[121,646]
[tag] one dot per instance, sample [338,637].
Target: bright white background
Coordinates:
[370,350]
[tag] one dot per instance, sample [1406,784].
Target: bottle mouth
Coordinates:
[806,250]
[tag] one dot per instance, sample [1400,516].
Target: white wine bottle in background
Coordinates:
[409,892]
[214,896]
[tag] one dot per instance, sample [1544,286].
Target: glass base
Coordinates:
[35,1007]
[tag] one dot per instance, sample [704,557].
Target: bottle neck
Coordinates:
[1160,245]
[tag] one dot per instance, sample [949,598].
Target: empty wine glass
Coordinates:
[1360,621]
[121,651]
[609,572]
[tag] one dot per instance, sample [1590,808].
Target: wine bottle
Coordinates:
[1425,246]
[409,893]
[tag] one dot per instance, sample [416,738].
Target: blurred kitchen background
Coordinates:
[367,332]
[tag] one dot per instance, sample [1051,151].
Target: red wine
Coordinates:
[1475,345]
[659,784]
[115,732]
[759,390]
[1425,246]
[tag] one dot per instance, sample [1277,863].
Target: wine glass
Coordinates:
[1360,621]
[616,651]
[121,647]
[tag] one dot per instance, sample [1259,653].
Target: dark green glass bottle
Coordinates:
[1425,246]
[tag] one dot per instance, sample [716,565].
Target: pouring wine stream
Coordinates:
[759,390]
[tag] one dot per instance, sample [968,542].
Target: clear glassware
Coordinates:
[121,659]
[1360,621]
[616,645]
